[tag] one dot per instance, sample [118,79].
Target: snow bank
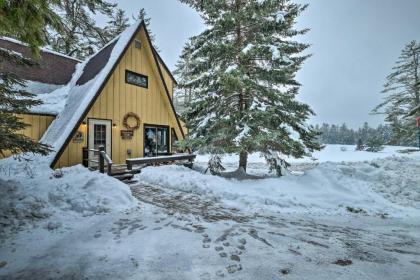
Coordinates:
[384,187]
[29,193]
[332,153]
[335,153]
[396,178]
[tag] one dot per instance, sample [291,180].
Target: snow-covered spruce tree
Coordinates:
[183,91]
[80,36]
[401,104]
[215,164]
[374,144]
[243,86]
[15,99]
[26,23]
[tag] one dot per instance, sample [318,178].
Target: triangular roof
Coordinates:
[86,85]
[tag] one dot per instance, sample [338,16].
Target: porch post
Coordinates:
[101,159]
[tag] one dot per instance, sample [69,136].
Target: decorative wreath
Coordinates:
[134,116]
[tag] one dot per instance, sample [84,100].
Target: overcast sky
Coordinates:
[354,45]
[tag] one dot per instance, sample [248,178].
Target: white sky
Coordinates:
[354,45]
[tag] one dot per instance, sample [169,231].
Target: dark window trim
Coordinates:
[174,133]
[173,139]
[137,74]
[157,126]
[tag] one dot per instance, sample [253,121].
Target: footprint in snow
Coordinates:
[235,258]
[234,268]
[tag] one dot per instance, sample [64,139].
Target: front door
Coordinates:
[156,140]
[99,135]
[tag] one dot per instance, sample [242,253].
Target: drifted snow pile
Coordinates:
[29,193]
[382,187]
[396,178]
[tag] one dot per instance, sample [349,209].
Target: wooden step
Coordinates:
[126,171]
[124,177]
[130,182]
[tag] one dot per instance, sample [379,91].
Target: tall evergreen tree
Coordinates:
[183,92]
[244,87]
[374,144]
[401,105]
[118,23]
[142,15]
[24,21]
[80,36]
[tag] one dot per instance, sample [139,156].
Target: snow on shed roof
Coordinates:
[87,81]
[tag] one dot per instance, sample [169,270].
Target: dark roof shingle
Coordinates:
[51,68]
[96,64]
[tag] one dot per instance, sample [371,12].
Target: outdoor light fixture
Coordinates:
[137,44]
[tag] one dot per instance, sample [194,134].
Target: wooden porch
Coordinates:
[126,172]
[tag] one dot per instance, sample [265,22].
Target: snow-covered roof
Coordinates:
[53,97]
[83,87]
[47,79]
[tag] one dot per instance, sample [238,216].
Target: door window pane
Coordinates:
[99,135]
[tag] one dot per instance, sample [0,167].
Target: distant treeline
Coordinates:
[341,134]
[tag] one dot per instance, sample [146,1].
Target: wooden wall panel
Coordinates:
[39,124]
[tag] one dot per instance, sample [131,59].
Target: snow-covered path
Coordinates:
[301,246]
[179,235]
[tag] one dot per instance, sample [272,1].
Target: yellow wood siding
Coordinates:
[39,124]
[168,80]
[184,127]
[119,98]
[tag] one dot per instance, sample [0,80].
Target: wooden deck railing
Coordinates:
[105,159]
[159,159]
[102,158]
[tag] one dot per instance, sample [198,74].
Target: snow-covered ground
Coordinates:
[332,153]
[347,215]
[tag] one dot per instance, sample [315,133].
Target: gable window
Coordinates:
[136,79]
[137,44]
